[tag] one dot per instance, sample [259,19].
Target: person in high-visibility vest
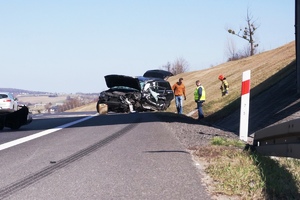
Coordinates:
[199,97]
[224,86]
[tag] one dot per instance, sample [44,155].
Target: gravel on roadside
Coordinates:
[191,132]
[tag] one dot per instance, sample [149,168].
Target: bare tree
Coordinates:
[232,53]
[248,33]
[246,51]
[179,66]
[167,67]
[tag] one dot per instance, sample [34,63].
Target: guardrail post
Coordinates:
[245,100]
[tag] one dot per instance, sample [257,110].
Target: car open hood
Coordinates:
[121,80]
[158,73]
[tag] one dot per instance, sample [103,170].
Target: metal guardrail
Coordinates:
[282,140]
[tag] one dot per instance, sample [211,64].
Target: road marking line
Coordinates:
[40,134]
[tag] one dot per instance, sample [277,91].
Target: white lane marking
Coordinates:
[40,134]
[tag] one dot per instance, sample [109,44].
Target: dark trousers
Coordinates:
[200,110]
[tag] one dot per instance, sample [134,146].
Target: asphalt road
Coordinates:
[88,156]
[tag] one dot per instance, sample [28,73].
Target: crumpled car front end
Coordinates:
[120,101]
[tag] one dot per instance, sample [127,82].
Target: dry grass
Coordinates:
[262,66]
[88,107]
[236,173]
[38,102]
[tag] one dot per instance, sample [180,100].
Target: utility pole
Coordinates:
[297,37]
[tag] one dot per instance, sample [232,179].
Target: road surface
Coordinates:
[116,156]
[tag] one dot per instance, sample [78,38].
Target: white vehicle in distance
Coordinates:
[8,103]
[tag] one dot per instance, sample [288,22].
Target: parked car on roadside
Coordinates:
[8,103]
[150,92]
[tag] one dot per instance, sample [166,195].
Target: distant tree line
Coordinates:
[69,104]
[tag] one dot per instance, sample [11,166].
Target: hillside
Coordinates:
[273,88]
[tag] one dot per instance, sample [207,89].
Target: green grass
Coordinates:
[243,174]
[227,142]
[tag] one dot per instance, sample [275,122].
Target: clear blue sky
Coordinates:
[70,45]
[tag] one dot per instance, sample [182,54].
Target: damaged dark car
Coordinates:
[150,92]
[16,119]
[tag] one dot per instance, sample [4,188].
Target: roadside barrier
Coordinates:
[282,140]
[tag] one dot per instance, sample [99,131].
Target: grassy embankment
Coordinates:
[236,173]
[262,66]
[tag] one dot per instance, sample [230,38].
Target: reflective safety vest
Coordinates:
[196,94]
[224,86]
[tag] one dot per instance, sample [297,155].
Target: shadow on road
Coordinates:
[166,151]
[102,120]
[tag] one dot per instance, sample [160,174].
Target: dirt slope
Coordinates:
[277,104]
[273,89]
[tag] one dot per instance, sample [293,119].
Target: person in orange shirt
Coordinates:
[179,92]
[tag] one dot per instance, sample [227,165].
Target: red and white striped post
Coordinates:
[245,100]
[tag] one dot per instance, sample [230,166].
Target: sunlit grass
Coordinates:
[244,174]
[268,64]
[227,142]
